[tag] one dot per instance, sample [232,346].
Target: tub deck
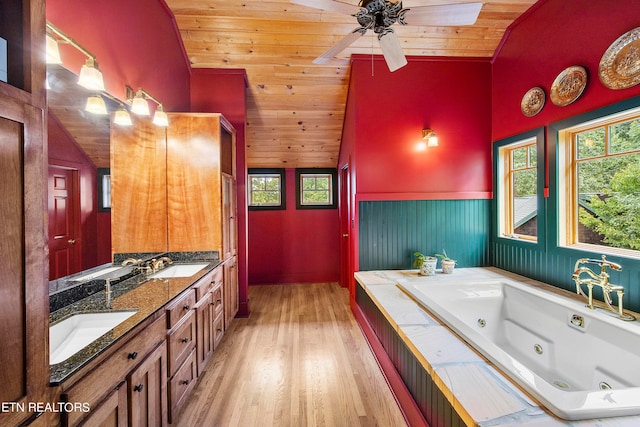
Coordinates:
[480,393]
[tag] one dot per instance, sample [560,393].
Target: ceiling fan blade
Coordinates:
[392,51]
[328,5]
[443,15]
[338,47]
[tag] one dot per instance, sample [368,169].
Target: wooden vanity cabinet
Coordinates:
[141,359]
[209,309]
[112,412]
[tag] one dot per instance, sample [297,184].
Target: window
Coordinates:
[600,187]
[104,190]
[518,190]
[266,189]
[316,189]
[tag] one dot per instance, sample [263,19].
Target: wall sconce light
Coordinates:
[122,118]
[430,137]
[140,106]
[95,105]
[90,75]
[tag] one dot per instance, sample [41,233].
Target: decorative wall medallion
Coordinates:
[620,65]
[568,86]
[533,101]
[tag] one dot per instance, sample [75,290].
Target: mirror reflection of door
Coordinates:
[65,256]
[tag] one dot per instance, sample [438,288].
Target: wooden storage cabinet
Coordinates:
[181,384]
[147,386]
[230,290]
[181,306]
[182,339]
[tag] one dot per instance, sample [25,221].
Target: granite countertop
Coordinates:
[482,394]
[137,293]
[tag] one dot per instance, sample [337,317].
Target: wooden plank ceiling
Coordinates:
[295,108]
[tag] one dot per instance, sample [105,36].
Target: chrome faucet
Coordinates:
[158,264]
[601,280]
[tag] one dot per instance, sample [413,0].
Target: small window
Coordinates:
[104,190]
[600,190]
[518,187]
[316,189]
[266,189]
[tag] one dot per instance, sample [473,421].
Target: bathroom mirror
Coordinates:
[79,150]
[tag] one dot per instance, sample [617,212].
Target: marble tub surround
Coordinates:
[480,393]
[145,296]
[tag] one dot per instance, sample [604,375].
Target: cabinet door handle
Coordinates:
[186,307]
[71,241]
[132,355]
[184,382]
[219,301]
[184,340]
[138,387]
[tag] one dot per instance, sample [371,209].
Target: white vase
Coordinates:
[428,267]
[447,266]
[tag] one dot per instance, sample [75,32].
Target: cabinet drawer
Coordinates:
[104,378]
[218,330]
[180,307]
[182,339]
[203,285]
[217,300]
[181,385]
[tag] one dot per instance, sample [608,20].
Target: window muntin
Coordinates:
[266,189]
[518,192]
[602,185]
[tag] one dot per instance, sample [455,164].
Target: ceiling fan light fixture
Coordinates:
[96,105]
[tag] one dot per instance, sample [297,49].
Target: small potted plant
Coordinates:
[425,263]
[447,263]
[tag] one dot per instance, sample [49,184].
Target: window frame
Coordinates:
[502,189]
[567,211]
[267,172]
[103,179]
[333,185]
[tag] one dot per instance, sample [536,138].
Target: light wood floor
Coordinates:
[299,360]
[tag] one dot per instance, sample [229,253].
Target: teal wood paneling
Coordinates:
[391,231]
[547,261]
[432,402]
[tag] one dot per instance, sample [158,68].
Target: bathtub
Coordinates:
[578,363]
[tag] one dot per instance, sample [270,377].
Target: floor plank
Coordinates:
[299,360]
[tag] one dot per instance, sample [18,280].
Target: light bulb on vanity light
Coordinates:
[53,52]
[139,105]
[95,105]
[122,118]
[90,76]
[430,137]
[160,118]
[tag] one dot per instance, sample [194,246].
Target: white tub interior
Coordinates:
[534,336]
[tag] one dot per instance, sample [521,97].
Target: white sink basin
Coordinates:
[93,275]
[179,270]
[71,335]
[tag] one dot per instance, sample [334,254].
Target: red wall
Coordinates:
[449,95]
[553,35]
[293,246]
[136,43]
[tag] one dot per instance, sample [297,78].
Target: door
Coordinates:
[64,196]
[346,253]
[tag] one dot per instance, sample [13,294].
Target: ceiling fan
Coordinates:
[380,15]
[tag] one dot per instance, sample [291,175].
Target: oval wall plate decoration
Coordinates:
[533,101]
[569,85]
[620,65]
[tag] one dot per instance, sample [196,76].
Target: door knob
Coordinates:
[71,241]
[345,235]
